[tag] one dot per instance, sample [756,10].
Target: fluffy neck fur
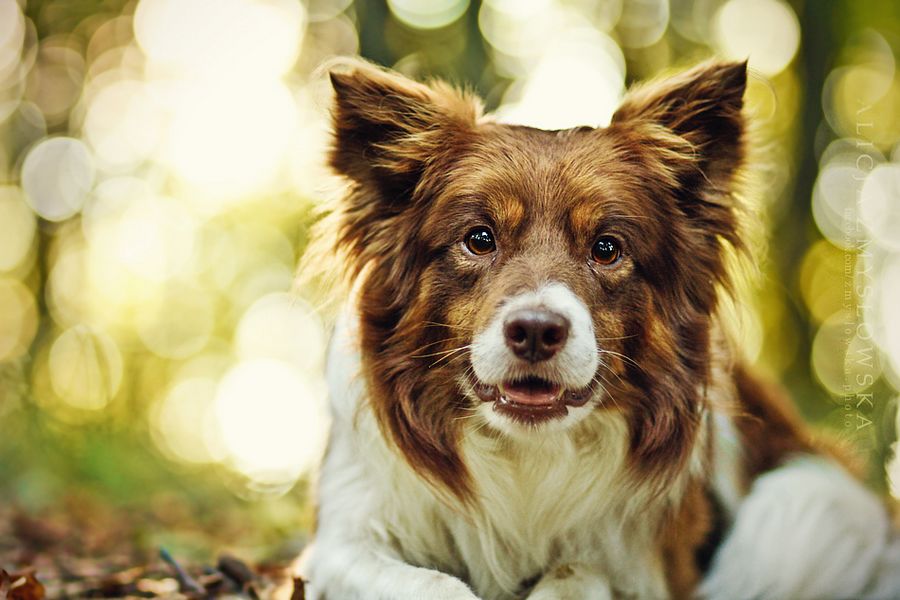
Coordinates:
[562,498]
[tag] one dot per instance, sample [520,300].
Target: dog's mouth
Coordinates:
[532,399]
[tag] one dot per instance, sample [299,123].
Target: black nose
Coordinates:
[535,334]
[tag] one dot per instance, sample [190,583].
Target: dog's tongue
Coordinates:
[533,392]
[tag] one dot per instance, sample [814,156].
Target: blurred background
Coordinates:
[161,162]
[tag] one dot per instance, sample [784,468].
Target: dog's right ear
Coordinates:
[388,128]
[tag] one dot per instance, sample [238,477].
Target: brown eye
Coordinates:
[606,250]
[480,241]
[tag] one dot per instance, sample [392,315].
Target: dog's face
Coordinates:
[525,277]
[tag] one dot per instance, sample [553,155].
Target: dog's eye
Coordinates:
[480,241]
[606,250]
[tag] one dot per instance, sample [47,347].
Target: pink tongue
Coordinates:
[531,394]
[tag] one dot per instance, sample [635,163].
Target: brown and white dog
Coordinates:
[532,393]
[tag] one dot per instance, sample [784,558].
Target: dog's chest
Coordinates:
[541,505]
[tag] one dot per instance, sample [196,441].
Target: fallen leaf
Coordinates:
[25,586]
[4,582]
[236,569]
[299,589]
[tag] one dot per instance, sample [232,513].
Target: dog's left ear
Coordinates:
[703,107]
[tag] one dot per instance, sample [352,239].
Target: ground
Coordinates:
[85,550]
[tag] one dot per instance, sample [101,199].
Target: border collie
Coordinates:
[533,391]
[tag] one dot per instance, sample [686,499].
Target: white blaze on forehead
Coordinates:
[574,366]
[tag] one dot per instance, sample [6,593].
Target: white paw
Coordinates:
[440,586]
[571,583]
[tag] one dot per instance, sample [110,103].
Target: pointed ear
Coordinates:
[703,107]
[387,128]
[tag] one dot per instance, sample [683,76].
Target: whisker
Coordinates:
[447,325]
[624,337]
[440,352]
[622,356]
[481,426]
[472,414]
[434,343]
[607,381]
[452,360]
[448,354]
[607,394]
[610,370]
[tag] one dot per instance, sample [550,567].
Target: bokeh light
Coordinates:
[878,205]
[765,31]
[178,324]
[170,152]
[883,317]
[184,422]
[834,198]
[124,124]
[281,326]
[18,319]
[85,368]
[578,81]
[860,97]
[162,161]
[893,467]
[823,264]
[55,80]
[236,159]
[271,418]
[12,39]
[57,175]
[428,14]
[19,228]
[234,40]
[643,22]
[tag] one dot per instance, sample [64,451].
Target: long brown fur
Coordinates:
[419,159]
[424,166]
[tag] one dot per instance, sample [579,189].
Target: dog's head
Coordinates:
[524,278]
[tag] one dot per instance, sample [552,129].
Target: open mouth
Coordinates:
[531,400]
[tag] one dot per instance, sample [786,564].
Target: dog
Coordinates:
[533,391]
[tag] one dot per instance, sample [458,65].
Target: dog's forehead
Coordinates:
[545,172]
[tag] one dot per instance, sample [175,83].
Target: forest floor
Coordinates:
[85,550]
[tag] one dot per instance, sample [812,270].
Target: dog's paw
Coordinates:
[414,586]
[439,586]
[573,582]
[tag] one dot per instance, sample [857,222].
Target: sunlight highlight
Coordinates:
[578,81]
[18,228]
[879,204]
[85,368]
[226,39]
[428,14]
[230,141]
[272,421]
[18,319]
[57,175]
[184,422]
[765,31]
[281,326]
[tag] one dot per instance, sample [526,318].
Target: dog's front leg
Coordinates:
[363,570]
[572,582]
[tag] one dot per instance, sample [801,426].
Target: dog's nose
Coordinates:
[535,334]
